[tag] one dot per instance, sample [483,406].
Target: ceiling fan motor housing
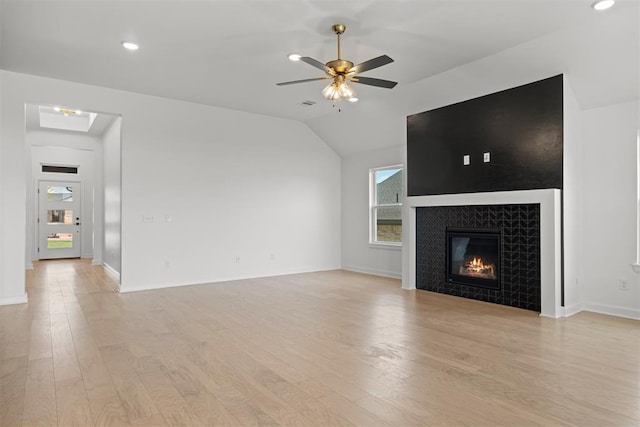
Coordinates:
[340,66]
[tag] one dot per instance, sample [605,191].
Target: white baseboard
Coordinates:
[571,310]
[15,300]
[612,310]
[111,271]
[130,288]
[375,272]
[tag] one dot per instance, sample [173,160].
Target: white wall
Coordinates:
[12,196]
[111,180]
[235,186]
[65,148]
[609,210]
[4,297]
[357,253]
[572,198]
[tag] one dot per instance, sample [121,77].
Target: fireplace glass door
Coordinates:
[473,257]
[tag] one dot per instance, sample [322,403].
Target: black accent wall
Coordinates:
[521,128]
[520,246]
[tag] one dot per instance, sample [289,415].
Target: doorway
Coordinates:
[73,189]
[59,219]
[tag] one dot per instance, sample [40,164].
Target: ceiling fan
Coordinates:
[341,72]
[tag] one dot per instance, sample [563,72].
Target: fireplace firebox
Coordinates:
[473,257]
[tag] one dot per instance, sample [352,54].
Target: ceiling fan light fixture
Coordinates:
[345,90]
[602,4]
[338,89]
[331,92]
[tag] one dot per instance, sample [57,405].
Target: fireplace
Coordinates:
[515,228]
[473,257]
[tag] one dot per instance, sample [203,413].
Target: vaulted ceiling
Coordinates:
[231,53]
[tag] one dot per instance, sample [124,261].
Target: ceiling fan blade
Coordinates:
[388,84]
[302,81]
[317,64]
[371,64]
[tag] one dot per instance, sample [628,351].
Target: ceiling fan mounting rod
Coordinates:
[339,66]
[339,29]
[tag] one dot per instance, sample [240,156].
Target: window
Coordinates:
[59,194]
[59,169]
[386,205]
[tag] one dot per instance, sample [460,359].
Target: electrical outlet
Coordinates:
[466,160]
[237,260]
[487,157]
[623,285]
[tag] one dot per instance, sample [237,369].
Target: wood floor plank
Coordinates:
[210,410]
[13,374]
[108,411]
[353,413]
[168,399]
[72,404]
[314,349]
[40,394]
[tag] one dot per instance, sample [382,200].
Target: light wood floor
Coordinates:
[330,348]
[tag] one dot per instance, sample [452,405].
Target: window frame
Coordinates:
[373,207]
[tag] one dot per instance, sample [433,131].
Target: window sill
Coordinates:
[386,246]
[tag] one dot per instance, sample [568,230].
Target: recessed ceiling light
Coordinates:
[603,4]
[130,46]
[295,57]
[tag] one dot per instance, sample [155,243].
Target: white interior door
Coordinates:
[59,219]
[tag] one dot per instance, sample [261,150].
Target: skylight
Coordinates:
[66,118]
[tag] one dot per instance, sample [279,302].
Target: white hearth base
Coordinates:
[550,236]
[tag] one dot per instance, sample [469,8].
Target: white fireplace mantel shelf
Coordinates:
[550,236]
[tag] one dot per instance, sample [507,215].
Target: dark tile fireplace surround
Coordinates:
[518,266]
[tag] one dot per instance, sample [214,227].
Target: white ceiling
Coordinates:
[231,53]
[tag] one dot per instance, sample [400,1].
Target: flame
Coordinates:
[476,263]
[477,268]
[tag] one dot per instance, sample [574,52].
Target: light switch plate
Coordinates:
[466,159]
[487,157]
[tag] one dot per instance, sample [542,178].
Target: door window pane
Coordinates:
[59,240]
[59,194]
[59,216]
